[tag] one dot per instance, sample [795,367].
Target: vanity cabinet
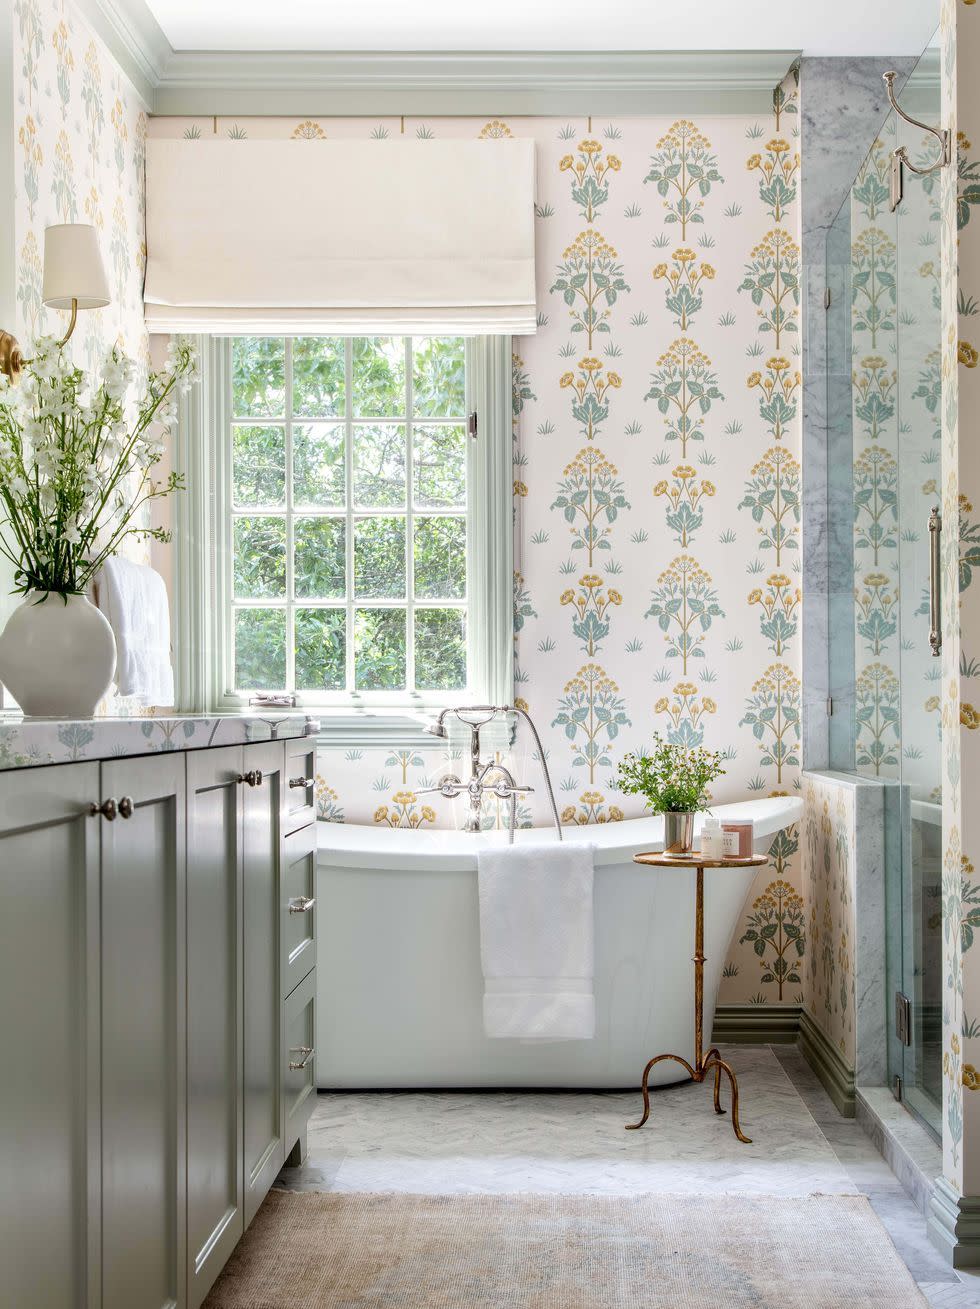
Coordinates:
[149,1096]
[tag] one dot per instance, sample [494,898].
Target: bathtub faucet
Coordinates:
[502,786]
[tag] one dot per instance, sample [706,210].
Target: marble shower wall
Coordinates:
[656,477]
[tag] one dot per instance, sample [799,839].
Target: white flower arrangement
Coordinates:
[76,464]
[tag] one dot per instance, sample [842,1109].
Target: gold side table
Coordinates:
[703,1063]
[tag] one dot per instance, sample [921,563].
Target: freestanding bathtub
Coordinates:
[399,986]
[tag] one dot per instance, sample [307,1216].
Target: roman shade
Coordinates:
[303,236]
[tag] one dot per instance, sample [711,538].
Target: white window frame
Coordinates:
[202,537]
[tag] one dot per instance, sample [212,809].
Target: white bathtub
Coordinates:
[399,987]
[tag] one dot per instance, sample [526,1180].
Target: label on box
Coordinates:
[730,843]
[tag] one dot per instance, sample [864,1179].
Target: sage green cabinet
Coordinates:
[215,1192]
[49,1018]
[157,989]
[264,1151]
[143,1033]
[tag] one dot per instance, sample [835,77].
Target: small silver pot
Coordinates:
[678,833]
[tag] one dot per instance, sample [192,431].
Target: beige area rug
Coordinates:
[338,1251]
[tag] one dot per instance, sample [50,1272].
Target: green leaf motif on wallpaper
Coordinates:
[876,611]
[684,388]
[682,279]
[684,170]
[777,933]
[772,278]
[871,191]
[590,496]
[875,482]
[778,163]
[591,603]
[590,392]
[685,605]
[777,387]
[591,174]
[684,492]
[590,280]
[591,712]
[773,713]
[523,608]
[873,284]
[877,705]
[772,494]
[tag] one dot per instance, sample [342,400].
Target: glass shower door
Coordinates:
[884,406]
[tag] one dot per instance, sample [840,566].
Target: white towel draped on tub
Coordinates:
[133,598]
[536,942]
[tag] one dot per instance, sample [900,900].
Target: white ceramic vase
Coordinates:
[57,656]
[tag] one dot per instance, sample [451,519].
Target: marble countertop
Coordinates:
[34,742]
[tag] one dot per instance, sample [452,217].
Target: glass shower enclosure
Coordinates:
[884,393]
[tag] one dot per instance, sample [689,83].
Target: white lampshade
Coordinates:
[73,268]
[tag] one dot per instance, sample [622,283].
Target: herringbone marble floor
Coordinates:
[573,1142]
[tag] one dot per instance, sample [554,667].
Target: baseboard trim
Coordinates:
[954,1225]
[756,1024]
[826,1062]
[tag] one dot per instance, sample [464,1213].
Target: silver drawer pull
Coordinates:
[108,809]
[125,806]
[301,782]
[935,581]
[302,904]
[253,778]
[306,1051]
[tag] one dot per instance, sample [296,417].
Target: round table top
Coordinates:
[660,859]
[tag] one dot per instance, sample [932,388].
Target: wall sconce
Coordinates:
[74,278]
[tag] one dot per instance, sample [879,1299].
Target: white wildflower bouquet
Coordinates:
[76,464]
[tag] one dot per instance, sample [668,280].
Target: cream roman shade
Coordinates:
[340,236]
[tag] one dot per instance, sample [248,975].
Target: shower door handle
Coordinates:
[935,593]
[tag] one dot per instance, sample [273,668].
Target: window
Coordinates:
[345,530]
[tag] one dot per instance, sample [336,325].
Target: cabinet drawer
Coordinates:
[298,1059]
[298,907]
[299,799]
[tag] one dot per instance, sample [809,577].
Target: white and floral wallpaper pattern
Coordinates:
[656,479]
[829,842]
[80,131]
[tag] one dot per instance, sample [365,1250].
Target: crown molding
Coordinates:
[372,83]
[134,38]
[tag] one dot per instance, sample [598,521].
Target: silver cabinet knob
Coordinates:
[300,782]
[302,904]
[107,809]
[125,806]
[252,778]
[306,1051]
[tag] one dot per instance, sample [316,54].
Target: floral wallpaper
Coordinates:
[80,138]
[830,845]
[656,479]
[959,697]
[80,132]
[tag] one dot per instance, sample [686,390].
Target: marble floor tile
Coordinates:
[574,1142]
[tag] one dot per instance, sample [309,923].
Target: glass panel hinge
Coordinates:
[826,297]
[903,1018]
[471,425]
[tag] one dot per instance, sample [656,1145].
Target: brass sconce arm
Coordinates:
[13,363]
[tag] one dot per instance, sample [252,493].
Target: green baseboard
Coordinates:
[826,1062]
[954,1225]
[756,1024]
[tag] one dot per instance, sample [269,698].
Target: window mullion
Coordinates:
[349,505]
[290,528]
[409,525]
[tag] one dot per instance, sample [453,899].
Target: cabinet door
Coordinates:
[49,1016]
[215,801]
[263,1147]
[143,1007]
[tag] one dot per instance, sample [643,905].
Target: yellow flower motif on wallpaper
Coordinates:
[778,602]
[93,209]
[969,717]
[27,137]
[684,172]
[591,603]
[591,809]
[590,401]
[404,812]
[520,490]
[590,176]
[684,493]
[495,130]
[308,130]
[65,62]
[772,278]
[685,709]
[590,280]
[778,165]
[778,386]
[966,354]
[682,277]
